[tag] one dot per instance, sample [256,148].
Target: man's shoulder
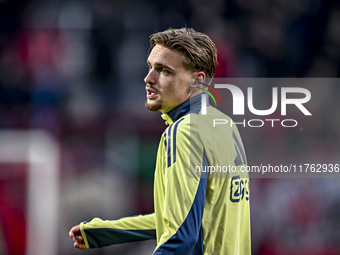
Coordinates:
[197,122]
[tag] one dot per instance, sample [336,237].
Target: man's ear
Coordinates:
[200,80]
[200,77]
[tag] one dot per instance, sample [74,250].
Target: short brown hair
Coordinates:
[199,51]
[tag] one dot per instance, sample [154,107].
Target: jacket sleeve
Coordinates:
[99,233]
[185,190]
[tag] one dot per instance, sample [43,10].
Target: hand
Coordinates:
[76,236]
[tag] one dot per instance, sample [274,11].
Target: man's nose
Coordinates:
[150,77]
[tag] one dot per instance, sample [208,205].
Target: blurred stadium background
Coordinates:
[74,71]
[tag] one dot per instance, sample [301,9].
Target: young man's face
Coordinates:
[168,82]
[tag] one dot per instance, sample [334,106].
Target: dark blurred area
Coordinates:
[76,70]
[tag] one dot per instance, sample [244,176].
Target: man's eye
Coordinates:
[165,71]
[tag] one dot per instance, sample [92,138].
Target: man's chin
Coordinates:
[153,106]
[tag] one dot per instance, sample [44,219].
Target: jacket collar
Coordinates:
[192,105]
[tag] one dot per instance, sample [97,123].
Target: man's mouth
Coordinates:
[151,94]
